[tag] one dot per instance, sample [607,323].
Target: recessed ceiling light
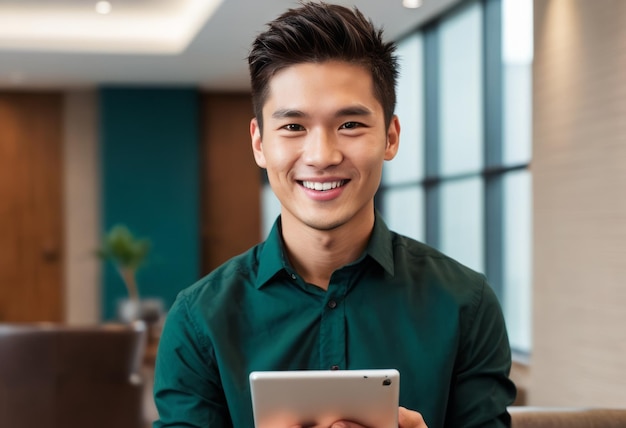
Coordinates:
[45,29]
[103,7]
[411,4]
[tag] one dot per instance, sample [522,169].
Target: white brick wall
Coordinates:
[579,173]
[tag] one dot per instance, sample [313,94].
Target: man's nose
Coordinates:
[322,150]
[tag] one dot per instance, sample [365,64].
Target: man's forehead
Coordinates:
[293,90]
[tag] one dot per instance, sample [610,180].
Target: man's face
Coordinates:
[324,142]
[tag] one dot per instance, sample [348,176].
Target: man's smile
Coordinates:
[323,186]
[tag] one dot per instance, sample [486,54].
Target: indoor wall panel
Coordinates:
[31,213]
[231,180]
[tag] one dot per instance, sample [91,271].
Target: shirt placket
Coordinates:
[333,325]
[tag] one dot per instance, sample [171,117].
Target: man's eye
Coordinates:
[294,127]
[350,125]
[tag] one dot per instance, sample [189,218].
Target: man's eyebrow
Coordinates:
[287,113]
[284,113]
[354,111]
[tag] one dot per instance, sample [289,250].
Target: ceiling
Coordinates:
[56,44]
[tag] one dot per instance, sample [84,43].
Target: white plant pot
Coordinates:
[149,310]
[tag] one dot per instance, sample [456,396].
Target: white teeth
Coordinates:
[314,185]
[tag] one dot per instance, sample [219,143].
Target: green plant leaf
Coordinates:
[123,248]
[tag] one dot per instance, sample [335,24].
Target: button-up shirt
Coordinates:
[401,305]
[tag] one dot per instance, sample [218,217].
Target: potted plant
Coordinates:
[128,254]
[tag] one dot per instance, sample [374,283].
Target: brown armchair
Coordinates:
[57,376]
[537,417]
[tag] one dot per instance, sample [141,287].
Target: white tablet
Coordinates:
[283,399]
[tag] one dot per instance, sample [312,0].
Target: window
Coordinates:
[517,57]
[403,200]
[461,181]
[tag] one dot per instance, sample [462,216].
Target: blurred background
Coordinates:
[512,160]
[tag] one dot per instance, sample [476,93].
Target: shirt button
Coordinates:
[293,276]
[332,304]
[334,367]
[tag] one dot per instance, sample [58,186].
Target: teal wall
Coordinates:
[149,141]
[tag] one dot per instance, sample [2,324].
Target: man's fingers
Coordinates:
[410,419]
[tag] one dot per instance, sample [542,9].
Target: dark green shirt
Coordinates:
[401,305]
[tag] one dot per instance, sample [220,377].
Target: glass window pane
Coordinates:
[270,209]
[403,210]
[517,31]
[461,89]
[517,113]
[517,54]
[461,222]
[517,258]
[408,166]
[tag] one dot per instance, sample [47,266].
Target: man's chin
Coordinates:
[325,223]
[326,227]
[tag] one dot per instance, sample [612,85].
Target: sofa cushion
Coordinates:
[537,417]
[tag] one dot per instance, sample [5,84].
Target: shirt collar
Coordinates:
[380,246]
[272,256]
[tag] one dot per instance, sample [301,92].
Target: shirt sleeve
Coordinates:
[481,388]
[187,387]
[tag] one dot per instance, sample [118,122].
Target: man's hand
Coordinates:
[410,419]
[406,419]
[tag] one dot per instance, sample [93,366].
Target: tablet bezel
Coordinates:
[282,399]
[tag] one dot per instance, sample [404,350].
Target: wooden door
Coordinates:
[231,181]
[31,228]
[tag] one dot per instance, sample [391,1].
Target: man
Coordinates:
[332,287]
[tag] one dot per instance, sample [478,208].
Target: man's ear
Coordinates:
[257,144]
[393,138]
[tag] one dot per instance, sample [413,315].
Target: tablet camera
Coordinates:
[386,382]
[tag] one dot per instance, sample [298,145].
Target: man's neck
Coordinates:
[316,254]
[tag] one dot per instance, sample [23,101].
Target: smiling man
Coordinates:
[332,287]
[323,144]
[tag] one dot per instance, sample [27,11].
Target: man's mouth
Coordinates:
[328,185]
